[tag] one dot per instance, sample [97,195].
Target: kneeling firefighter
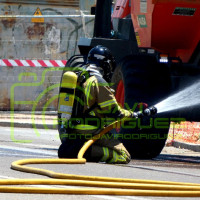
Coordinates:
[99,106]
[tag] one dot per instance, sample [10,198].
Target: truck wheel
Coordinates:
[74,61]
[141,79]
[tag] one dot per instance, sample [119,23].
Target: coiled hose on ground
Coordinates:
[100,185]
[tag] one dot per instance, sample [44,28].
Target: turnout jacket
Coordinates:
[99,96]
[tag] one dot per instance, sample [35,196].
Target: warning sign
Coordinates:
[35,19]
[142,21]
[143,6]
[184,11]
[138,38]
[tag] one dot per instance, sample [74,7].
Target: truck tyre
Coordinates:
[74,61]
[142,79]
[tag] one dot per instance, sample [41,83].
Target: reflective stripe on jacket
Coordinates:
[97,91]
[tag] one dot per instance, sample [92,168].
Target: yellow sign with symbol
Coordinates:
[40,19]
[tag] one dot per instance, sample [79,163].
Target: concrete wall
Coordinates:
[55,38]
[21,38]
[27,88]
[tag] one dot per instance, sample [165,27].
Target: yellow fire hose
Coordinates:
[101,185]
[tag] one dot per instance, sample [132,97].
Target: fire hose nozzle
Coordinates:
[150,111]
[147,112]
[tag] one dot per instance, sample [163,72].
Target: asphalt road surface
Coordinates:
[172,165]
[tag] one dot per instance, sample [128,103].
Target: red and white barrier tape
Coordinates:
[32,63]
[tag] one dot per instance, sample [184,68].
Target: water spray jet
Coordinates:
[190,96]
